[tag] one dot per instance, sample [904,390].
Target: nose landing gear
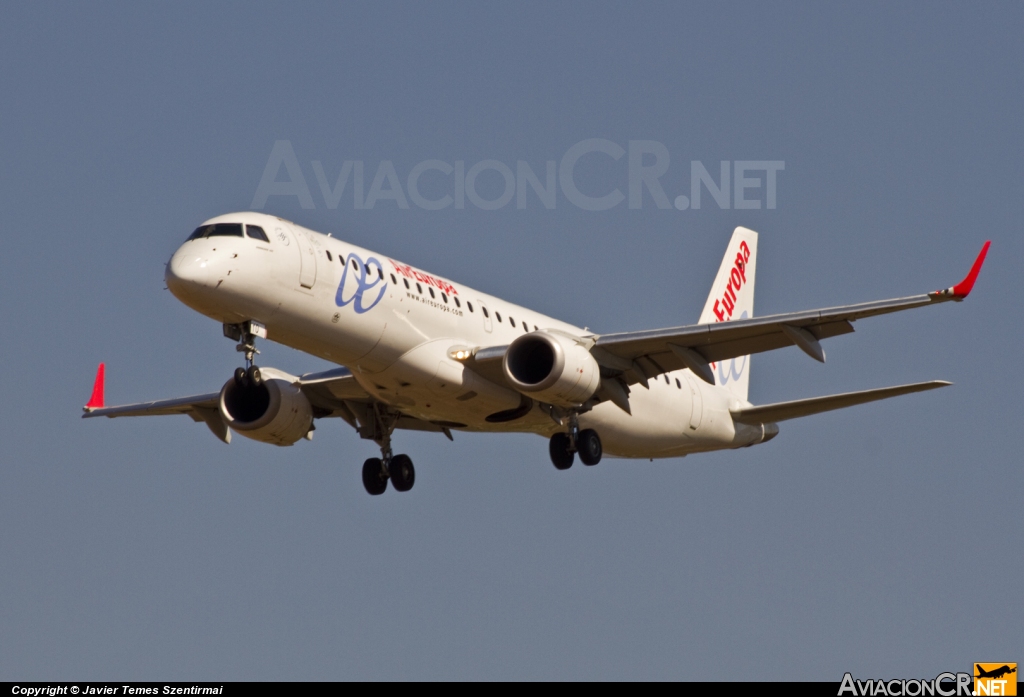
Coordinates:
[248,377]
[245,334]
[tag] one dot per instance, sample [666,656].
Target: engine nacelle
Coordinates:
[552,368]
[274,412]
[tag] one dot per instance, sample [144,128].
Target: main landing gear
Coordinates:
[564,446]
[378,470]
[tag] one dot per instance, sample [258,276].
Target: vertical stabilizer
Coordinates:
[732,297]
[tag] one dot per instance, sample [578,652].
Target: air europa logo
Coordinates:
[365,276]
[737,279]
[409,272]
[732,373]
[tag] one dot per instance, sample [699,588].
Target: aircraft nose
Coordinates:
[187,269]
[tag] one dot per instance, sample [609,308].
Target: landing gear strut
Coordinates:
[245,334]
[378,470]
[564,446]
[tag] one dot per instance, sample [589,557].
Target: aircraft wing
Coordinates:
[646,354]
[328,390]
[332,392]
[201,407]
[160,407]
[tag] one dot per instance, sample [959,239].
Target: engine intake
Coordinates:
[275,411]
[552,368]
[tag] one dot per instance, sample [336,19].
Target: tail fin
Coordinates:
[732,297]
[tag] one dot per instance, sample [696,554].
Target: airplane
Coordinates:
[996,673]
[418,351]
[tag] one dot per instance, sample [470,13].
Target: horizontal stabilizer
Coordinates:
[770,413]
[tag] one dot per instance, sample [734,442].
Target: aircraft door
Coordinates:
[307,259]
[696,403]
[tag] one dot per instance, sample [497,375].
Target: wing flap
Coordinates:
[781,411]
[329,390]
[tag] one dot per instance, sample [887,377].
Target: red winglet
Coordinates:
[963,288]
[96,401]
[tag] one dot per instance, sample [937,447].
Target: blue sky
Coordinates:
[883,540]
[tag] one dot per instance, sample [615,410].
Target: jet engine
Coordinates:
[273,411]
[552,368]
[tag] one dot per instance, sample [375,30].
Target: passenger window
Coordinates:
[469,305]
[329,257]
[526,328]
[355,265]
[678,385]
[445,298]
[484,310]
[512,321]
[419,289]
[498,315]
[535,328]
[431,291]
[457,303]
[256,232]
[666,379]
[394,281]
[380,273]
[406,282]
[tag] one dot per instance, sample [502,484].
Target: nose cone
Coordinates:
[188,271]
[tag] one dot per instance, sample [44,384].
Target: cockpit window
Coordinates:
[218,230]
[256,232]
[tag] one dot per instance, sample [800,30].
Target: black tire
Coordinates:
[561,456]
[374,479]
[403,474]
[241,379]
[588,445]
[255,376]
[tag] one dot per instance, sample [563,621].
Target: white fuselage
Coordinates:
[393,326]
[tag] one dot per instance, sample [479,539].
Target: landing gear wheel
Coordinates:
[241,378]
[561,456]
[588,445]
[403,475]
[254,375]
[374,478]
